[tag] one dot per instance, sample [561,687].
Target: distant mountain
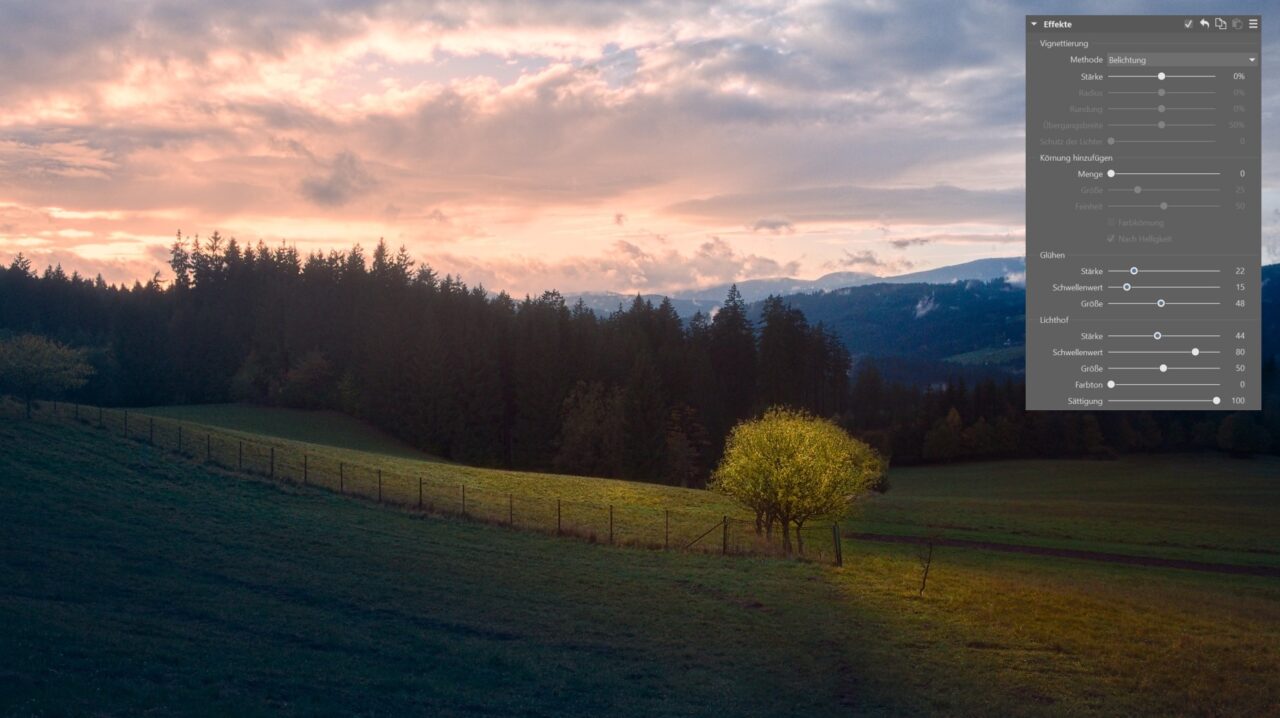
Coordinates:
[688,302]
[606,303]
[970,323]
[756,289]
[965,320]
[1012,268]
[928,332]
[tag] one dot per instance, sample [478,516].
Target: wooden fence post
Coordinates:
[610,524]
[835,538]
[179,438]
[151,430]
[208,448]
[464,499]
[305,472]
[724,541]
[126,423]
[379,485]
[419,493]
[558,517]
[511,510]
[273,462]
[240,457]
[342,477]
[666,529]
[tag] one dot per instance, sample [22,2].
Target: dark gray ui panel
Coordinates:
[1144,219]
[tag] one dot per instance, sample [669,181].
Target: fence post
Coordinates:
[511,510]
[208,448]
[464,499]
[379,485]
[126,423]
[835,537]
[724,541]
[305,472]
[55,408]
[342,477]
[666,529]
[273,462]
[558,517]
[151,430]
[419,493]
[179,438]
[610,524]
[240,457]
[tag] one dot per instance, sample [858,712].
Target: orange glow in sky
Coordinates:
[578,146]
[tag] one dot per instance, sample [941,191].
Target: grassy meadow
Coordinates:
[1206,507]
[132,580]
[643,514]
[327,428]
[1203,507]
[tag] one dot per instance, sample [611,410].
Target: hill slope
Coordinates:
[923,321]
[329,428]
[1138,506]
[132,583]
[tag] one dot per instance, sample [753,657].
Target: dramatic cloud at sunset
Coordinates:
[588,145]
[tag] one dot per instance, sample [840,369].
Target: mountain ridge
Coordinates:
[690,301]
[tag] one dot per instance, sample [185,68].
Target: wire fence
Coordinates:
[642,526]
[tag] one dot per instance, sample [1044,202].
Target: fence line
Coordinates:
[634,525]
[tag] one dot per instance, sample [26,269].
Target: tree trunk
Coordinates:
[924,575]
[799,538]
[786,537]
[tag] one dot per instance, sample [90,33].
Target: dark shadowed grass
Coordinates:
[131,582]
[329,428]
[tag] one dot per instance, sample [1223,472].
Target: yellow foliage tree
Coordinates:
[790,467]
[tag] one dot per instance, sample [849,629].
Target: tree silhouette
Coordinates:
[32,366]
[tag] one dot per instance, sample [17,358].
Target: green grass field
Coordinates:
[643,514]
[328,428]
[1205,507]
[132,581]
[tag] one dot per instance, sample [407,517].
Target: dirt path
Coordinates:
[1100,556]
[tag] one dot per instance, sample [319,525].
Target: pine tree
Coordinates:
[645,422]
[731,347]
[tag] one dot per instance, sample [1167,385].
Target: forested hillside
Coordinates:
[537,384]
[925,321]
[476,378]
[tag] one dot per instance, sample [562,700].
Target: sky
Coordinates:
[580,145]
